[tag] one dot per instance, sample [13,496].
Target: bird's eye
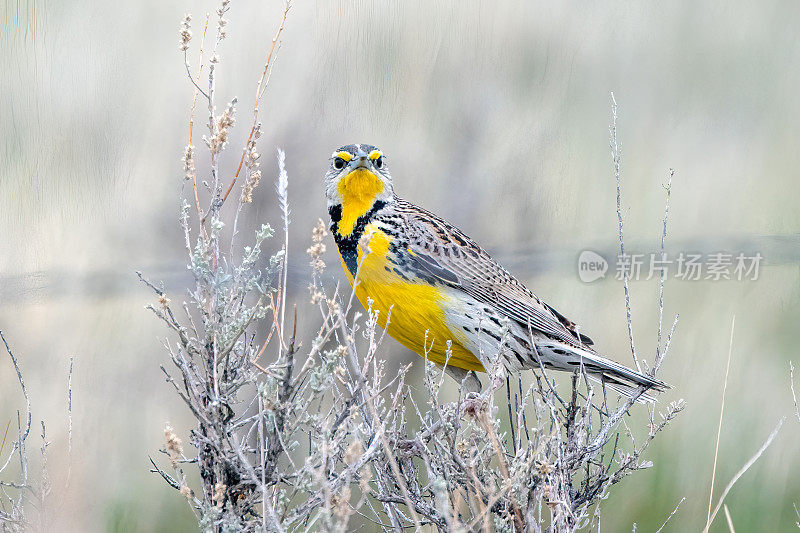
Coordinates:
[338,163]
[379,162]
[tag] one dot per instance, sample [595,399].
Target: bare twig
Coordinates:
[671,515]
[660,357]
[26,432]
[663,271]
[189,155]
[615,157]
[259,91]
[32,489]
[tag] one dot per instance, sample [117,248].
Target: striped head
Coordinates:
[357,178]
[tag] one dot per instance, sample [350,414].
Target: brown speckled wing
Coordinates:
[443,252]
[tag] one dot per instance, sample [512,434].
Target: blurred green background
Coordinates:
[495,116]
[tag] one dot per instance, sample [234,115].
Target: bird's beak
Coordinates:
[361,160]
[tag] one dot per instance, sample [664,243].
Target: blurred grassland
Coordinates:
[494,115]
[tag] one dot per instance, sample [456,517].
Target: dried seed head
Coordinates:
[185,33]
[174,444]
[462,446]
[251,156]
[253,179]
[319,232]
[544,467]
[219,494]
[226,120]
[353,452]
[188,162]
[316,296]
[363,243]
[223,123]
[318,247]
[223,8]
[315,251]
[341,502]
[222,22]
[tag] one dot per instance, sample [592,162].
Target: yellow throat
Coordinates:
[358,190]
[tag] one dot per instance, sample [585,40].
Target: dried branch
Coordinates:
[615,157]
[662,277]
[259,92]
[671,515]
[24,504]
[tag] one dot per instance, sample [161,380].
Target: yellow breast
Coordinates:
[416,308]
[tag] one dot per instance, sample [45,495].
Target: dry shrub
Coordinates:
[319,437]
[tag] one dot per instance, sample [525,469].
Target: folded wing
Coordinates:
[440,251]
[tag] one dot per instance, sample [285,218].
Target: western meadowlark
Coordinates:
[438,288]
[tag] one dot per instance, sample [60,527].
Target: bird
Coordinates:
[440,294]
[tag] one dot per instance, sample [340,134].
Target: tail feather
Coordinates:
[624,390]
[617,377]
